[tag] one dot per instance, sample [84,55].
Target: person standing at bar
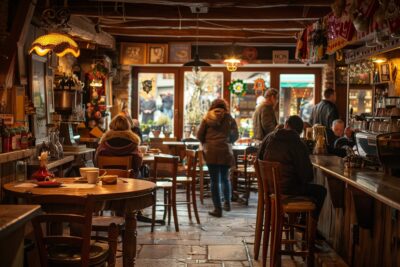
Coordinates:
[217,131]
[325,112]
[264,119]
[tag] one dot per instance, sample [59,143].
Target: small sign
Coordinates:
[280,56]
[8,119]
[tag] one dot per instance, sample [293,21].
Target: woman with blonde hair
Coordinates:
[121,141]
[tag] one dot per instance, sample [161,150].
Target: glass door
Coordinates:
[200,89]
[243,107]
[156,103]
[296,96]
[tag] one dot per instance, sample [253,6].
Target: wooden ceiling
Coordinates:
[252,22]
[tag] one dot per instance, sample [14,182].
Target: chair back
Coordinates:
[114,162]
[191,161]
[270,172]
[165,166]
[250,156]
[118,172]
[59,210]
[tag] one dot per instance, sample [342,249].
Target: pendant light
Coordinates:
[232,62]
[56,23]
[196,63]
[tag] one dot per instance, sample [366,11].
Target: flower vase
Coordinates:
[156,133]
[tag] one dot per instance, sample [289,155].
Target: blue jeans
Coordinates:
[219,175]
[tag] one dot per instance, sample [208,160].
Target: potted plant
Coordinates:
[146,127]
[163,123]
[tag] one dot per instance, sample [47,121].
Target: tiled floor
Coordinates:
[217,242]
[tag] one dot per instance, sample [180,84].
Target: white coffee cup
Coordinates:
[92,177]
[83,171]
[143,149]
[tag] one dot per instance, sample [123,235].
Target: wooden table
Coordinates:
[12,229]
[135,194]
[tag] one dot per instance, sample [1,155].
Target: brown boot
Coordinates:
[227,206]
[217,212]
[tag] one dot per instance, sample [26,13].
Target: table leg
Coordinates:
[129,242]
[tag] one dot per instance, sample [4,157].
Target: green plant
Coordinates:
[163,120]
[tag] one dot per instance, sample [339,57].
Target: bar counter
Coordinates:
[360,217]
[384,188]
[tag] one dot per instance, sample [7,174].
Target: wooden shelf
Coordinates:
[15,155]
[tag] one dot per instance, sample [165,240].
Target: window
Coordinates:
[156,103]
[199,91]
[296,96]
[243,107]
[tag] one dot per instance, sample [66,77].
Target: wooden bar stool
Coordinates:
[281,205]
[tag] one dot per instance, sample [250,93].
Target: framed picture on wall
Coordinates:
[133,53]
[179,52]
[157,53]
[384,72]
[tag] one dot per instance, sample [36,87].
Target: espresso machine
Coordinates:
[67,97]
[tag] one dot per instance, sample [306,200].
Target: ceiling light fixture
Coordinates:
[56,23]
[232,62]
[196,63]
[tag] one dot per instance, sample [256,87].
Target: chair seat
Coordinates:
[105,221]
[298,204]
[62,255]
[164,184]
[183,179]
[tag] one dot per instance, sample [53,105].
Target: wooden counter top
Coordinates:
[15,155]
[382,187]
[53,163]
[80,152]
[12,217]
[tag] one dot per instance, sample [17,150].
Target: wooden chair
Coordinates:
[165,174]
[281,205]
[202,172]
[114,162]
[189,181]
[246,170]
[75,247]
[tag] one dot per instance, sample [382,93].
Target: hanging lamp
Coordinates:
[56,40]
[196,63]
[60,44]
[232,62]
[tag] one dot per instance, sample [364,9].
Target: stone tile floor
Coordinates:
[217,242]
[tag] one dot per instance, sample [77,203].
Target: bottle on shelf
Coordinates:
[24,138]
[6,140]
[13,140]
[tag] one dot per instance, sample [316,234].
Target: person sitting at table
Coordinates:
[339,138]
[285,146]
[217,132]
[121,141]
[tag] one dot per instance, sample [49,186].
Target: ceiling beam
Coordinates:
[165,13]
[227,3]
[203,24]
[205,39]
[203,33]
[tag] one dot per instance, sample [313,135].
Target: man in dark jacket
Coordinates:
[286,147]
[325,112]
[264,120]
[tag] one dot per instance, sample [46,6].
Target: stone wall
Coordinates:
[122,89]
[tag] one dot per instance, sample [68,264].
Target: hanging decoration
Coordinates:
[238,87]
[147,86]
[259,84]
[99,71]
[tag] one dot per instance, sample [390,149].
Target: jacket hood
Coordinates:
[215,116]
[129,135]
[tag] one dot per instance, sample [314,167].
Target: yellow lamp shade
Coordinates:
[60,44]
[232,64]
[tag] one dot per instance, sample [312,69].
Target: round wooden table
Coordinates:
[135,194]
